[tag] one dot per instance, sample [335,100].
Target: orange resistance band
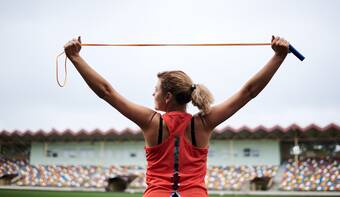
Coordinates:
[143,45]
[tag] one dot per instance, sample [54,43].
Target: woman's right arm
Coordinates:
[139,114]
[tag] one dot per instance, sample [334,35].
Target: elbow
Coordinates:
[250,91]
[104,91]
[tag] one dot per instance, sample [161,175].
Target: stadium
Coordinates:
[171,98]
[266,161]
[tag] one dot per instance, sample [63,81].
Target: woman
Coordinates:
[176,143]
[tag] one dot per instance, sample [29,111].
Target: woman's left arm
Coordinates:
[251,88]
[259,81]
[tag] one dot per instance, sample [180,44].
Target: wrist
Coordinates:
[74,57]
[281,56]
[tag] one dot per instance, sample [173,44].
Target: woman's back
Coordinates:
[161,160]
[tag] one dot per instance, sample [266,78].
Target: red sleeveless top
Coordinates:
[160,162]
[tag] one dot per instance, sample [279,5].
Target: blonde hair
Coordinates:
[182,87]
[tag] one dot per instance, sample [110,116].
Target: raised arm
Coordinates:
[251,88]
[139,114]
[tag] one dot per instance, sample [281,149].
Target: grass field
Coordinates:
[35,193]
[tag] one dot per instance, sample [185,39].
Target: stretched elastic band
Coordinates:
[180,45]
[291,48]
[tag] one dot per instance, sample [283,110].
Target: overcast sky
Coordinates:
[33,32]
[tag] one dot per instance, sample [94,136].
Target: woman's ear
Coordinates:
[168,97]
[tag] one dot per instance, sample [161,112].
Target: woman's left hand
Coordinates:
[280,46]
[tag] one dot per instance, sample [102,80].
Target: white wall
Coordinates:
[221,152]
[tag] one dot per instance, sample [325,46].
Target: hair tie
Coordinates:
[193,87]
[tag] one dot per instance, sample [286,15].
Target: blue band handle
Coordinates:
[296,53]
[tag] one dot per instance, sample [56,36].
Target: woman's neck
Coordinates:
[181,108]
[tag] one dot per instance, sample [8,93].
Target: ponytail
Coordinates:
[202,98]
[182,87]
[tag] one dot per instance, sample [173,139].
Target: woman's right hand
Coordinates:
[72,48]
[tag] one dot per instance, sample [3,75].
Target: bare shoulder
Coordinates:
[221,112]
[153,122]
[202,130]
[151,132]
[202,122]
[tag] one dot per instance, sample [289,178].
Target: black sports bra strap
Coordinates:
[193,138]
[160,130]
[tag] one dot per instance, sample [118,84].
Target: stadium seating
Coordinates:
[312,175]
[233,178]
[309,175]
[218,177]
[8,166]
[70,176]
